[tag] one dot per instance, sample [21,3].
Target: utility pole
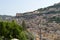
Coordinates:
[40,32]
[40,29]
[34,36]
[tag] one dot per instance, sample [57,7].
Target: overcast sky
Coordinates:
[11,7]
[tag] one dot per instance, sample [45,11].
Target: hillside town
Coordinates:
[43,24]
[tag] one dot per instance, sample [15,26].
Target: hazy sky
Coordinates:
[11,7]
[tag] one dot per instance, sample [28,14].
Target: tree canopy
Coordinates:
[12,30]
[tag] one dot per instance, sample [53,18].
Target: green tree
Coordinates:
[24,25]
[11,30]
